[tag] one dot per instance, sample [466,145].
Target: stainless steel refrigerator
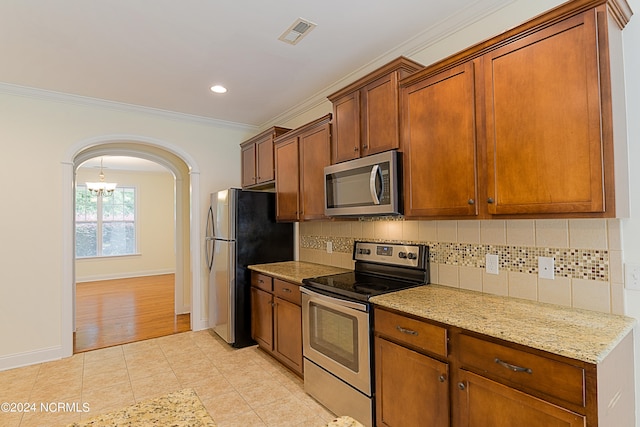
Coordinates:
[241,231]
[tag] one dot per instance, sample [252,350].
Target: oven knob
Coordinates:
[402,254]
[411,255]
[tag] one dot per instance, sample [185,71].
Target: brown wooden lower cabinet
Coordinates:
[489,403]
[276,319]
[430,374]
[412,389]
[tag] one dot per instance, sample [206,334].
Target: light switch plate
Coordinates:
[491,264]
[546,267]
[632,276]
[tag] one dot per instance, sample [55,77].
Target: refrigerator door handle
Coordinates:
[208,247]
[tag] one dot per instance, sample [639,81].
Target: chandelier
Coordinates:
[101,188]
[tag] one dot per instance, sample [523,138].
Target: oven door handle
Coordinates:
[337,301]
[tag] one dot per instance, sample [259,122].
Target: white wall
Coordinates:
[35,135]
[155,217]
[631,226]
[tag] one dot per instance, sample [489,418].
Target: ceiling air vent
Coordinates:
[297,31]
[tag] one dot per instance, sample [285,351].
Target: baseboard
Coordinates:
[125,275]
[30,358]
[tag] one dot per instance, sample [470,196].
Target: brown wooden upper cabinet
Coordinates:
[300,158]
[366,115]
[257,158]
[520,125]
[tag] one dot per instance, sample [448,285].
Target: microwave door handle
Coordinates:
[375,171]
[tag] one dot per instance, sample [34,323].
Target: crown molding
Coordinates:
[48,95]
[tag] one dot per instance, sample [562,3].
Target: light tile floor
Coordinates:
[239,387]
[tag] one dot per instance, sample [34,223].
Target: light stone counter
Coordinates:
[579,334]
[295,271]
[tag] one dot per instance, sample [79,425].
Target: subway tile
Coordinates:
[381,230]
[447,231]
[471,278]
[616,267]
[617,298]
[591,295]
[552,233]
[368,230]
[427,231]
[493,232]
[523,285]
[433,272]
[614,234]
[588,233]
[410,231]
[395,230]
[521,233]
[341,228]
[495,284]
[356,229]
[448,275]
[556,291]
[469,231]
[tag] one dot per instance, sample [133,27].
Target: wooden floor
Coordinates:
[114,312]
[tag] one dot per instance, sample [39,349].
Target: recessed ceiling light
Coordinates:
[218,89]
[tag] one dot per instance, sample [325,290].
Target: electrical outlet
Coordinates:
[329,247]
[491,263]
[632,276]
[546,267]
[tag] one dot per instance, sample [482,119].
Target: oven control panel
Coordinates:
[391,253]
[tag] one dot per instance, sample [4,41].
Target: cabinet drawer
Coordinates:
[287,291]
[413,332]
[519,368]
[262,281]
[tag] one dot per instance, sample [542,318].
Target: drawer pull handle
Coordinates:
[406,331]
[286,290]
[511,367]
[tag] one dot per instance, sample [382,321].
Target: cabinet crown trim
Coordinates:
[619,9]
[400,63]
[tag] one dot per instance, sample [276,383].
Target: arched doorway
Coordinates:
[183,167]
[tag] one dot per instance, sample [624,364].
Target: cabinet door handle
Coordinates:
[461,386]
[511,367]
[406,331]
[490,200]
[442,378]
[471,202]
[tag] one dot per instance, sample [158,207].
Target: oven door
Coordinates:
[336,336]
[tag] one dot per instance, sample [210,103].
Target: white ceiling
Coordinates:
[165,54]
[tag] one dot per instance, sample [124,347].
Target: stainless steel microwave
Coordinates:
[363,187]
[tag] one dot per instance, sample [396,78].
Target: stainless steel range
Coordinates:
[337,324]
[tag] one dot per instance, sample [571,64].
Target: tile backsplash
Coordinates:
[587,253]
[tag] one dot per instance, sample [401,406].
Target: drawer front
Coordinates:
[262,281]
[287,291]
[413,332]
[548,376]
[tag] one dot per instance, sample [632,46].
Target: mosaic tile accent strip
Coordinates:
[588,264]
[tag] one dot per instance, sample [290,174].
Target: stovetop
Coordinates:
[357,286]
[380,268]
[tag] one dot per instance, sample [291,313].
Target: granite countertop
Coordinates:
[295,271]
[578,334]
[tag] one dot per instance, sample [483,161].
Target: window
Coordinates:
[105,226]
